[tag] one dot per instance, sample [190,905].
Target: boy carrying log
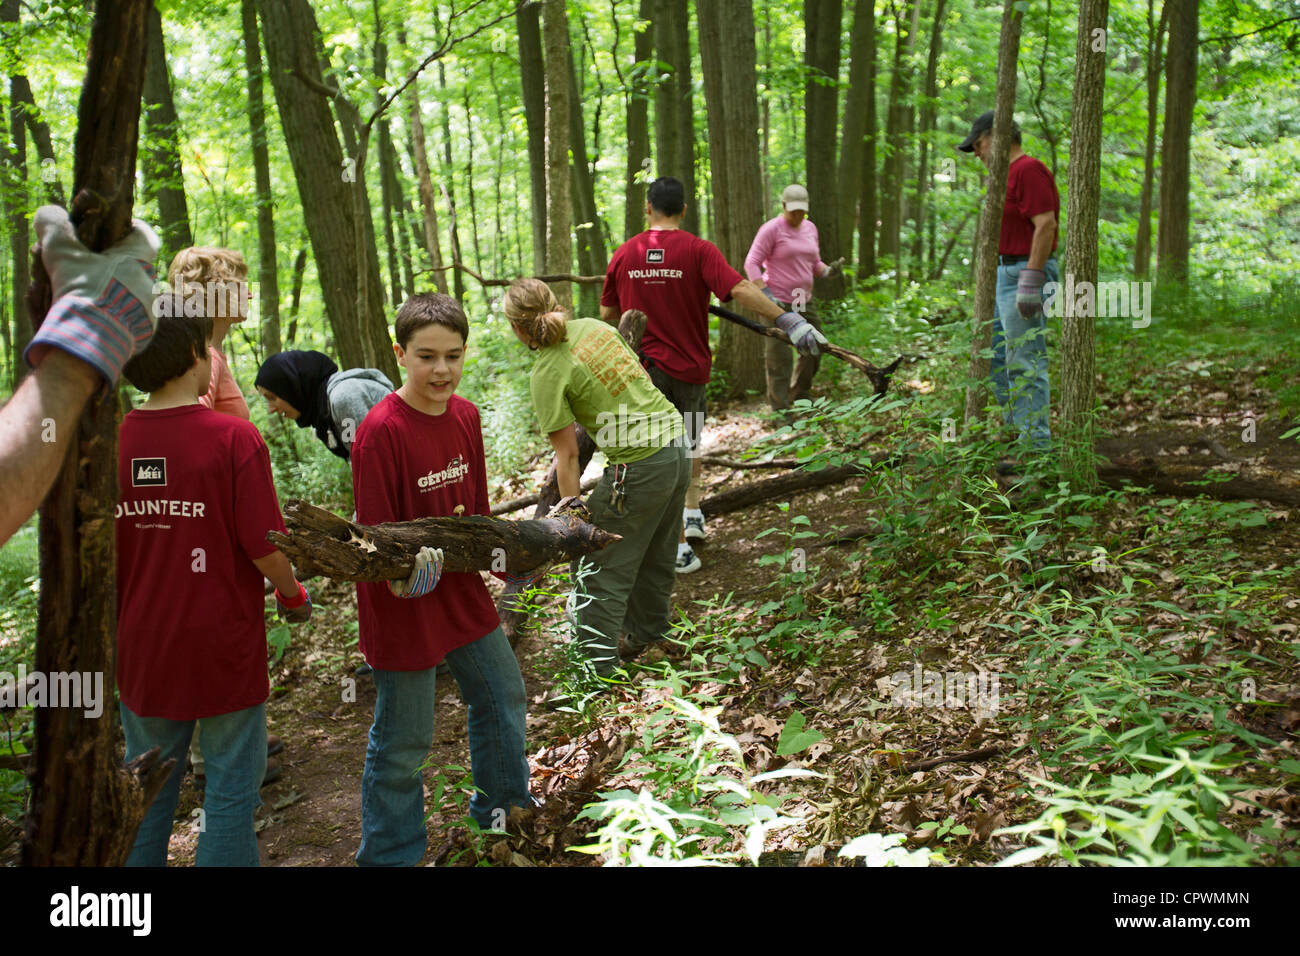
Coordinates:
[197,500]
[418,454]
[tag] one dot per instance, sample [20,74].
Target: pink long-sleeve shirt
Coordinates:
[785,258]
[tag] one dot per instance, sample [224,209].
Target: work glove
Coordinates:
[424,576]
[527,579]
[833,267]
[802,335]
[1029,292]
[295,610]
[102,303]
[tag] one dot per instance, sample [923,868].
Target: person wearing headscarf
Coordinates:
[308,388]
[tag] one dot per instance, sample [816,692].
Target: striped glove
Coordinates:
[102,309]
[527,579]
[296,610]
[803,335]
[424,576]
[1029,292]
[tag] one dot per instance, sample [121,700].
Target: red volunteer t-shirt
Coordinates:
[196,502]
[1030,191]
[407,465]
[668,274]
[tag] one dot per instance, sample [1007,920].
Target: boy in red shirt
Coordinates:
[197,500]
[418,454]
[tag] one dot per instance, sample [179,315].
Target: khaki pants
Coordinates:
[783,389]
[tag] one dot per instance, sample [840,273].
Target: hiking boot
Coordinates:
[693,524]
[687,560]
[273,772]
[273,744]
[627,651]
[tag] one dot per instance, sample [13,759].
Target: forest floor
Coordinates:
[949,776]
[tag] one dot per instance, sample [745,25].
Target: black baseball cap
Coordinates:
[977,129]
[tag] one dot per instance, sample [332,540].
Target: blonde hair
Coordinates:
[531,307]
[217,273]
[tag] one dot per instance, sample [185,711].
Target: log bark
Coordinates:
[879,377]
[85,809]
[320,542]
[1150,473]
[781,486]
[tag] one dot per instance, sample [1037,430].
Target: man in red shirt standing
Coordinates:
[1026,261]
[669,274]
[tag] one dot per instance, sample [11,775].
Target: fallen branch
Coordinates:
[879,377]
[1234,489]
[321,542]
[783,485]
[967,757]
[527,501]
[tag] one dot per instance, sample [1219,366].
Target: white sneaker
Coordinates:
[693,521]
[687,560]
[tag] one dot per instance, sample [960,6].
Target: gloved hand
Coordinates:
[102,304]
[802,335]
[1029,292]
[573,505]
[834,267]
[527,579]
[424,576]
[296,610]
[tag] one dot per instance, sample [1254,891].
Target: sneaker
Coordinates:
[693,520]
[687,560]
[363,670]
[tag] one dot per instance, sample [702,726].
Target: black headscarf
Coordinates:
[299,378]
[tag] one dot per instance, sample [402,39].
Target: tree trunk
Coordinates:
[823,20]
[559,237]
[326,186]
[163,178]
[320,542]
[986,238]
[447,184]
[928,108]
[891,186]
[674,105]
[388,188]
[15,207]
[428,205]
[728,60]
[868,207]
[638,125]
[1155,61]
[1173,238]
[862,52]
[295,291]
[267,268]
[591,244]
[1079,333]
[532,79]
[85,809]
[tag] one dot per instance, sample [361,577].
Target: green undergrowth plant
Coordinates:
[698,805]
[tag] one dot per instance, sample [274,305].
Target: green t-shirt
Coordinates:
[594,378]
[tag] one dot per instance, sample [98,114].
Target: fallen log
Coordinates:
[879,377]
[527,501]
[1234,489]
[793,483]
[321,542]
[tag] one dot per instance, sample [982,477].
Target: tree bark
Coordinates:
[447,184]
[891,186]
[346,261]
[586,217]
[639,160]
[729,64]
[85,808]
[862,53]
[15,207]
[559,237]
[986,238]
[532,79]
[428,203]
[163,178]
[823,20]
[928,108]
[1173,238]
[295,290]
[868,206]
[674,107]
[320,542]
[1155,61]
[1079,333]
[268,275]
[389,191]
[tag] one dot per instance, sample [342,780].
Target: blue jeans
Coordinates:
[392,792]
[234,748]
[1019,366]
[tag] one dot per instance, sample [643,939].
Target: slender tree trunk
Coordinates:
[15,206]
[432,242]
[868,207]
[498,238]
[267,270]
[928,109]
[85,808]
[638,125]
[1173,238]
[328,186]
[469,188]
[21,92]
[891,187]
[990,224]
[729,65]
[1079,333]
[823,21]
[447,184]
[861,51]
[164,181]
[532,79]
[1155,62]
[674,109]
[559,238]
[388,189]
[591,245]
[295,289]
